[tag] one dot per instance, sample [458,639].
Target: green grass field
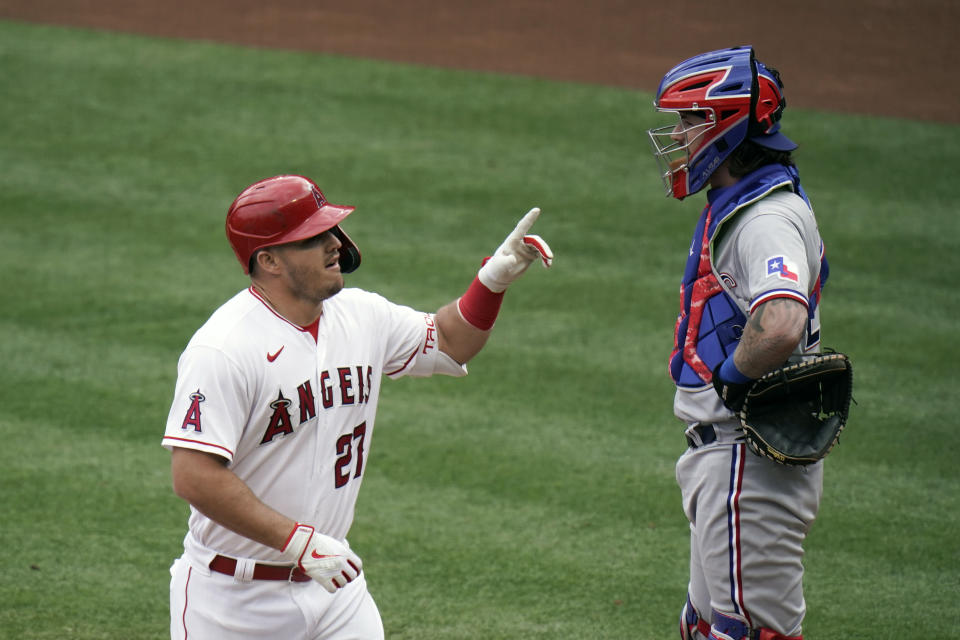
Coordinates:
[536,498]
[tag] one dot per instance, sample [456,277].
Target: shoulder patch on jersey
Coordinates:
[728,280]
[778,266]
[192,419]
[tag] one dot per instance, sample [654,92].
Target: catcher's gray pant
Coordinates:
[748,519]
[207,604]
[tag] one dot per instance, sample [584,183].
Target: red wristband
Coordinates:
[479,306]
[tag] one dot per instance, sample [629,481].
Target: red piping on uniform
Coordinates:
[208,444]
[185,600]
[257,295]
[778,293]
[404,365]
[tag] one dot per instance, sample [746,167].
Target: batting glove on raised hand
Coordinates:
[325,559]
[516,253]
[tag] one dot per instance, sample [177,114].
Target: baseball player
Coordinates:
[272,419]
[749,302]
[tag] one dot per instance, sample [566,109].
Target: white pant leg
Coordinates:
[206,604]
[353,615]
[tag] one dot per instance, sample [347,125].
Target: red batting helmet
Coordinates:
[285,209]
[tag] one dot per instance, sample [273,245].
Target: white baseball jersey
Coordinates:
[772,249]
[292,413]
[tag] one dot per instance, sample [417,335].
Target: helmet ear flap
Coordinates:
[284,209]
[766,98]
[349,252]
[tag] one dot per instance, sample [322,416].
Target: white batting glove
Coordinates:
[325,559]
[516,253]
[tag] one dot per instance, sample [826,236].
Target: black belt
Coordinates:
[707,435]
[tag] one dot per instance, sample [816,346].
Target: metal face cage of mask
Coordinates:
[674,144]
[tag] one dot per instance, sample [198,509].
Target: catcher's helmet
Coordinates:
[285,209]
[740,99]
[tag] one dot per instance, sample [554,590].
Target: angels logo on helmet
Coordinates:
[283,209]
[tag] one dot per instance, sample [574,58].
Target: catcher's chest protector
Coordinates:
[710,322]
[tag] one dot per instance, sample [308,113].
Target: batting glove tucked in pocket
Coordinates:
[325,559]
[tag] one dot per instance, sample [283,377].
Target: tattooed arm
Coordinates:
[771,335]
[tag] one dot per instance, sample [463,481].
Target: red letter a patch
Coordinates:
[192,419]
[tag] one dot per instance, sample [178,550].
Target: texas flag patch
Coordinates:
[777,266]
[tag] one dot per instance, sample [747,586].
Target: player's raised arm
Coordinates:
[274,409]
[464,324]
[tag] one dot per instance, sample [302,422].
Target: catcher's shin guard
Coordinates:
[692,626]
[734,627]
[726,626]
[770,634]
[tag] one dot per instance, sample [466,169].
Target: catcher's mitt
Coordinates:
[794,415]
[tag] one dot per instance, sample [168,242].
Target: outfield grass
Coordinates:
[536,498]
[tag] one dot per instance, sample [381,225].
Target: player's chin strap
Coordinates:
[725,627]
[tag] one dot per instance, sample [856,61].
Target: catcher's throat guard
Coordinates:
[794,415]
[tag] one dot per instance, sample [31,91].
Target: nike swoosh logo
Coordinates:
[319,556]
[273,356]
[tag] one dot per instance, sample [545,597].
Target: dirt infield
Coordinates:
[880,57]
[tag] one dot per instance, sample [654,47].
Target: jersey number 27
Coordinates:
[346,444]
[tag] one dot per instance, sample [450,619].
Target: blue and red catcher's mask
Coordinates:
[728,96]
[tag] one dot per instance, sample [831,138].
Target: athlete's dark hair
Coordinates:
[750,156]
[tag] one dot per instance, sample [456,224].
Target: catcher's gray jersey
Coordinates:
[771,249]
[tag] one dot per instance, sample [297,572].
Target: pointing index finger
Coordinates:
[527,221]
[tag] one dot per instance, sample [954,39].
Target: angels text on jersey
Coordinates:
[339,387]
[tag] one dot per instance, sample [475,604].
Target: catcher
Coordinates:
[748,377]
